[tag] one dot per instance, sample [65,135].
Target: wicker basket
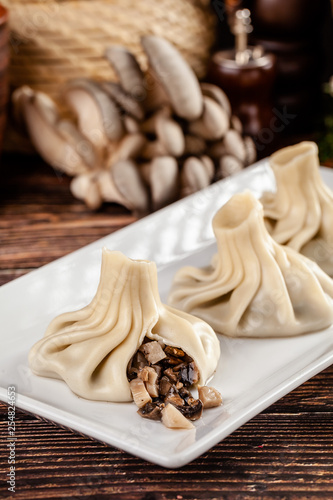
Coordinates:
[53,41]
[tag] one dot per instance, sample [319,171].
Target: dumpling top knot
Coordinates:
[254,287]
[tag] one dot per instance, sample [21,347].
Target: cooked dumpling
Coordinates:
[300,213]
[254,287]
[91,348]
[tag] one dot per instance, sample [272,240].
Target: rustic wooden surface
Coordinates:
[284,453]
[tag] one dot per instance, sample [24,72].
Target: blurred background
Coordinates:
[272,60]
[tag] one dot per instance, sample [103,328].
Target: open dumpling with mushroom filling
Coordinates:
[91,349]
[300,213]
[254,287]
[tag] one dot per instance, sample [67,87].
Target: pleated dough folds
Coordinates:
[90,349]
[254,287]
[300,213]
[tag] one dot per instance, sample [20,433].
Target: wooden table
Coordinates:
[286,452]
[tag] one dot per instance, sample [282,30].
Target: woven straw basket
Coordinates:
[53,41]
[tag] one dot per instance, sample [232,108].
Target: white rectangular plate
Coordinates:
[252,373]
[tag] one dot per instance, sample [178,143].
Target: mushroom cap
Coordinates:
[216,93]
[128,70]
[127,180]
[194,176]
[98,116]
[74,137]
[171,135]
[251,150]
[176,76]
[126,101]
[234,145]
[209,166]
[236,124]
[163,181]
[214,122]
[228,165]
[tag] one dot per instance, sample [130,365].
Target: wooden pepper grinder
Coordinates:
[246,74]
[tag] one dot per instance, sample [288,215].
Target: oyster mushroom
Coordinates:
[97,115]
[171,135]
[228,165]
[41,117]
[156,96]
[128,182]
[163,181]
[236,124]
[216,93]
[209,166]
[85,187]
[139,392]
[214,122]
[125,101]
[129,147]
[176,76]
[78,141]
[128,70]
[250,149]
[109,191]
[172,418]
[234,145]
[209,397]
[194,176]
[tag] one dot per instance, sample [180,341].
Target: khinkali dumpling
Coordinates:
[254,287]
[91,348]
[300,213]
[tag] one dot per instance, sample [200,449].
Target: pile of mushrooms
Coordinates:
[142,142]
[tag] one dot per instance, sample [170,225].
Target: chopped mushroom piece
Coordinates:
[174,351]
[193,409]
[172,418]
[165,386]
[139,392]
[151,411]
[151,382]
[153,352]
[174,399]
[189,374]
[209,397]
[173,376]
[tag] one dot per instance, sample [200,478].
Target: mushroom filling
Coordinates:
[160,374]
